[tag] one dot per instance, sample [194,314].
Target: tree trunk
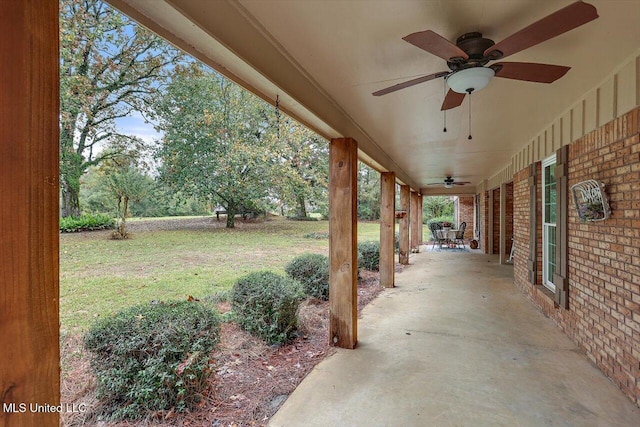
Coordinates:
[231,216]
[70,203]
[302,208]
[123,222]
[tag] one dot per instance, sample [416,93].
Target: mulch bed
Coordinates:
[251,381]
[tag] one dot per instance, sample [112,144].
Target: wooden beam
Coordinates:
[405,195]
[387,228]
[414,220]
[343,251]
[420,219]
[29,325]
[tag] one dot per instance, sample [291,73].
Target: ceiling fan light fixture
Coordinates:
[470,79]
[448,185]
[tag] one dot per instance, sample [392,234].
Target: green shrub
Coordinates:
[369,255]
[302,218]
[312,271]
[317,235]
[86,222]
[446,218]
[266,304]
[152,357]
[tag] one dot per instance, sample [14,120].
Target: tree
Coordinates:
[109,67]
[304,165]
[437,206]
[97,197]
[218,142]
[368,193]
[126,184]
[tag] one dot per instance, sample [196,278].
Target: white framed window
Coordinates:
[549,221]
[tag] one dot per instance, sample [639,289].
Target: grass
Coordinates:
[99,276]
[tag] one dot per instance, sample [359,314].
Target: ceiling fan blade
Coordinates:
[530,72]
[436,44]
[410,83]
[557,23]
[452,100]
[461,182]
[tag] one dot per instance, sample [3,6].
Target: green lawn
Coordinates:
[99,276]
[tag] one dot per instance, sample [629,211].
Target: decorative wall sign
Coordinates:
[401,214]
[591,200]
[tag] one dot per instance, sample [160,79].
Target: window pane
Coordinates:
[551,252]
[549,194]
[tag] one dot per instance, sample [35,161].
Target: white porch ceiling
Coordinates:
[324,58]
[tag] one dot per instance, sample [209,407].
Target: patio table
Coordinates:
[448,236]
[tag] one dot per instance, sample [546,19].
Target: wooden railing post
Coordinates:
[343,251]
[387,228]
[29,292]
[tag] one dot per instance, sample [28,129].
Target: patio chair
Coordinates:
[437,237]
[460,234]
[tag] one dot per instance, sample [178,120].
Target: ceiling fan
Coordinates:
[449,182]
[467,59]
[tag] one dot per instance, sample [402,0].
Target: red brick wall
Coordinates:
[509,216]
[465,214]
[496,221]
[484,224]
[521,217]
[604,257]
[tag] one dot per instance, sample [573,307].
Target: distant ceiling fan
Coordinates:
[467,59]
[449,182]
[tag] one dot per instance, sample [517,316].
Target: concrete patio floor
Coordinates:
[456,344]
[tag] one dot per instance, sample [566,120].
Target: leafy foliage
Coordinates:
[109,68]
[303,166]
[317,235]
[312,271]
[216,143]
[125,184]
[369,255]
[441,219]
[368,193]
[266,305]
[437,207]
[95,196]
[152,357]
[86,222]
[302,218]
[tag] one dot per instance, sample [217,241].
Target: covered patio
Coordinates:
[477,348]
[454,344]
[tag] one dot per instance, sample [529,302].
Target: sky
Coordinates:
[135,125]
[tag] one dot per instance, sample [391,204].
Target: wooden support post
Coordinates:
[415,226]
[420,220]
[29,324]
[387,228]
[343,250]
[405,195]
[503,224]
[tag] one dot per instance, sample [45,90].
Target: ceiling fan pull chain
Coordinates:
[470,113]
[444,96]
